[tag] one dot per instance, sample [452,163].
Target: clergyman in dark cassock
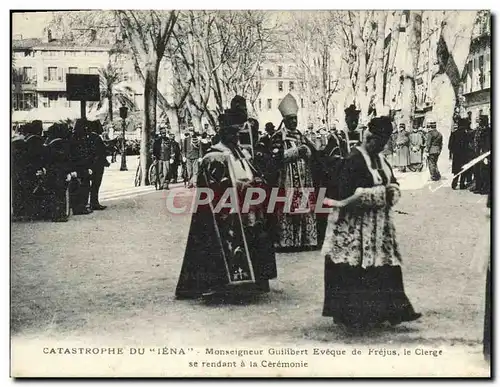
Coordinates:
[299,170]
[228,252]
[459,153]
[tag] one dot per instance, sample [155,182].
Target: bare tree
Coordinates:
[148,34]
[311,40]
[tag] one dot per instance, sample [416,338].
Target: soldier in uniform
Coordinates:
[192,153]
[402,155]
[161,151]
[433,147]
[81,159]
[59,171]
[99,162]
[416,146]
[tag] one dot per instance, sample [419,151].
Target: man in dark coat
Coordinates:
[161,151]
[82,160]
[59,170]
[175,159]
[34,168]
[18,163]
[482,143]
[433,147]
[458,147]
[99,162]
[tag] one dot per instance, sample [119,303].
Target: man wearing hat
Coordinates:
[35,167]
[227,248]
[82,160]
[191,149]
[352,122]
[433,147]
[161,152]
[299,169]
[402,150]
[416,147]
[59,172]
[458,148]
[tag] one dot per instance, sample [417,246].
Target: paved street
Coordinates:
[114,279]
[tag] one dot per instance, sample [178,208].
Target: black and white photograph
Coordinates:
[250,193]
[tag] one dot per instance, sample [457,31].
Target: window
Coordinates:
[481,71]
[487,71]
[93,70]
[280,71]
[260,104]
[52,100]
[280,86]
[302,103]
[28,75]
[24,101]
[291,85]
[269,104]
[73,70]
[52,74]
[270,73]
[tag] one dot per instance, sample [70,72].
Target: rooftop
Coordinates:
[58,45]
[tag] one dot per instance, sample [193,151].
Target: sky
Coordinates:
[30,24]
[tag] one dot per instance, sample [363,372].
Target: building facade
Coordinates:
[278,77]
[476,86]
[39,68]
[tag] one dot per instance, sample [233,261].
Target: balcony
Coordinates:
[22,82]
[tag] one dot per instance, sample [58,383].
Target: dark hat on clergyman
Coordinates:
[381,126]
[269,126]
[36,127]
[463,123]
[351,111]
[238,103]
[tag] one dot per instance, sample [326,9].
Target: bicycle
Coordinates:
[155,174]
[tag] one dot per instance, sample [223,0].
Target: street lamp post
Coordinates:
[123,115]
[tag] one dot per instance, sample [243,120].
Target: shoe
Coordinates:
[85,211]
[98,207]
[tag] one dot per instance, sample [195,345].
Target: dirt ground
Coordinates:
[115,279]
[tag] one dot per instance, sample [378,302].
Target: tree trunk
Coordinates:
[411,64]
[393,48]
[110,105]
[149,127]
[379,50]
[173,119]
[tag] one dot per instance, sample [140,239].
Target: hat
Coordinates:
[402,125]
[352,111]
[381,126]
[288,106]
[269,126]
[238,103]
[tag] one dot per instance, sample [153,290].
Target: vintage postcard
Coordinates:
[250,193]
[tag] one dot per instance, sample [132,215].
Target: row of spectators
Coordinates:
[57,171]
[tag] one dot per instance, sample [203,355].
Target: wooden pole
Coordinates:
[83,109]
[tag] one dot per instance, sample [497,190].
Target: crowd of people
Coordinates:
[232,253]
[58,170]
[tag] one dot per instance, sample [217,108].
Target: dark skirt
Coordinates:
[358,297]
[203,269]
